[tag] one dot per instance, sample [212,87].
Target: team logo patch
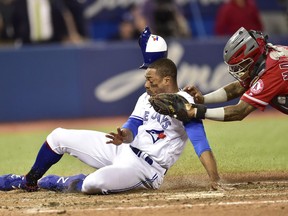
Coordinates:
[156,134]
[257,87]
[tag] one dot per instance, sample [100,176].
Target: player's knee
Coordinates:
[54,137]
[91,186]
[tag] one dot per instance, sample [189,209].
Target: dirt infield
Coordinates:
[252,194]
[247,198]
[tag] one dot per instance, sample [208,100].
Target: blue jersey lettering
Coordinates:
[162,119]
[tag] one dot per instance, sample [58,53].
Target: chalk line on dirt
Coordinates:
[126,208]
[180,196]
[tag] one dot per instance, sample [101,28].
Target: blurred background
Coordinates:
[80,58]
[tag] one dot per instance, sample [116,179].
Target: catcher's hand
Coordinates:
[174,105]
[195,93]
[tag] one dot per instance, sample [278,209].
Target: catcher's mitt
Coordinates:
[174,105]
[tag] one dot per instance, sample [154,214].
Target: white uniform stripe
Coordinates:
[256,100]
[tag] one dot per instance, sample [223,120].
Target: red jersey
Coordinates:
[273,82]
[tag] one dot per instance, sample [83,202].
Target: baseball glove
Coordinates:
[173,105]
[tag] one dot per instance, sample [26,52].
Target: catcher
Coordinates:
[262,79]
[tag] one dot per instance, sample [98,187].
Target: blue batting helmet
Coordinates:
[153,47]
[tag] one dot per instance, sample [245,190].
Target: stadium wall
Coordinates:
[96,79]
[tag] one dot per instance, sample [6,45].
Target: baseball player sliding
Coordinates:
[137,155]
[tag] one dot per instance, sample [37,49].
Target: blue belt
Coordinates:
[139,153]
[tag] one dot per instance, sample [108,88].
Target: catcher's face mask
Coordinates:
[243,52]
[153,47]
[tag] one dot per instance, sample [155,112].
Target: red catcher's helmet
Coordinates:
[243,51]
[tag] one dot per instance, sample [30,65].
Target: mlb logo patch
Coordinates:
[155,38]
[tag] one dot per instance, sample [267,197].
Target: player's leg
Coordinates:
[46,157]
[88,146]
[128,172]
[109,179]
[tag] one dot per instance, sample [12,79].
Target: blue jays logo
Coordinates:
[156,135]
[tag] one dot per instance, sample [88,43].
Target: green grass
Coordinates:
[252,145]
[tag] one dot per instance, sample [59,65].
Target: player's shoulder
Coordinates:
[145,96]
[187,96]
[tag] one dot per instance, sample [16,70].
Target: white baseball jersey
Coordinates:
[163,138]
[141,164]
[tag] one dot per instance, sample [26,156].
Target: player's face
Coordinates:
[154,83]
[240,71]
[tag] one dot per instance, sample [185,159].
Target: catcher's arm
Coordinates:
[226,93]
[228,113]
[178,107]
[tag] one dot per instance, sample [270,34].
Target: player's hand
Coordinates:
[116,138]
[195,93]
[217,186]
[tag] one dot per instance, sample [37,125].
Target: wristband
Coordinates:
[217,114]
[200,110]
[217,96]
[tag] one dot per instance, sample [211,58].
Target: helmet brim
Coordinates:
[144,66]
